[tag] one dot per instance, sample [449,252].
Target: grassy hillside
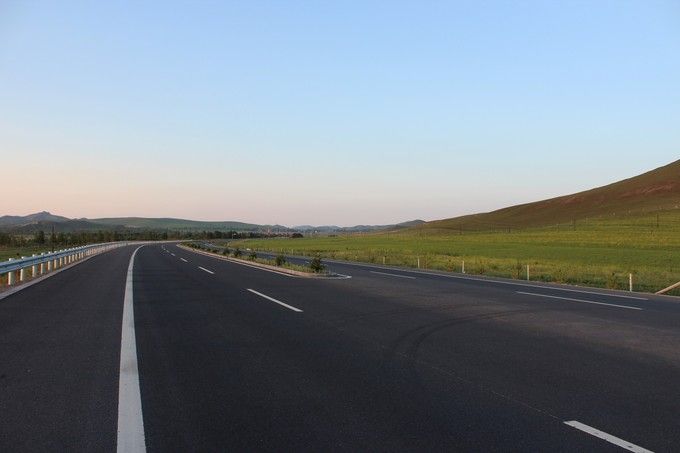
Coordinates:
[652,191]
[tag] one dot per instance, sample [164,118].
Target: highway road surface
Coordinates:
[176,351]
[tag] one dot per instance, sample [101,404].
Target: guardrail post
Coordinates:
[10,276]
[34,269]
[22,272]
[42,266]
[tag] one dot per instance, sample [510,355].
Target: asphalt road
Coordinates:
[231,358]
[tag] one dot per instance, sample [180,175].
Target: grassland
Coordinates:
[18,252]
[597,252]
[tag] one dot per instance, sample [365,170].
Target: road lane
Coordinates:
[552,358]
[59,366]
[370,363]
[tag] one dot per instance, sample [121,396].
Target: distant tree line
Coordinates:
[69,239]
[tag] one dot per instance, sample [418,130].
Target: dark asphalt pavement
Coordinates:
[388,360]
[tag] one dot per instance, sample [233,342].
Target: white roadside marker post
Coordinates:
[528,276]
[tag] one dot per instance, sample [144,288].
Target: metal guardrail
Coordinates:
[47,262]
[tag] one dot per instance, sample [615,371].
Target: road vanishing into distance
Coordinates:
[170,350]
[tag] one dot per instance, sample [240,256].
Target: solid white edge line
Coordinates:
[184,260]
[290,307]
[608,437]
[206,270]
[580,300]
[486,280]
[130,420]
[172,254]
[392,275]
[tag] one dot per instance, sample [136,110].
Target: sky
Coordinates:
[350,112]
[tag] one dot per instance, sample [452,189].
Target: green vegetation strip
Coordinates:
[279,262]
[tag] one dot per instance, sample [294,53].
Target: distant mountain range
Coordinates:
[656,190]
[46,221]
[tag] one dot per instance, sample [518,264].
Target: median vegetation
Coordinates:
[315,266]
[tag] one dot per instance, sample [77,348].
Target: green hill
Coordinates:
[657,190]
[182,224]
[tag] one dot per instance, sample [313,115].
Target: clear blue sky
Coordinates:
[330,112]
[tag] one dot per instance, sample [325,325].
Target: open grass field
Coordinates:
[599,252]
[18,252]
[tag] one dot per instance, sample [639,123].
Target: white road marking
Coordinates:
[184,260]
[130,420]
[290,307]
[487,280]
[173,254]
[608,437]
[206,270]
[580,300]
[392,275]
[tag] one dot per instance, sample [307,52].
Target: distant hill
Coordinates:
[45,221]
[182,224]
[44,216]
[656,190]
[66,226]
